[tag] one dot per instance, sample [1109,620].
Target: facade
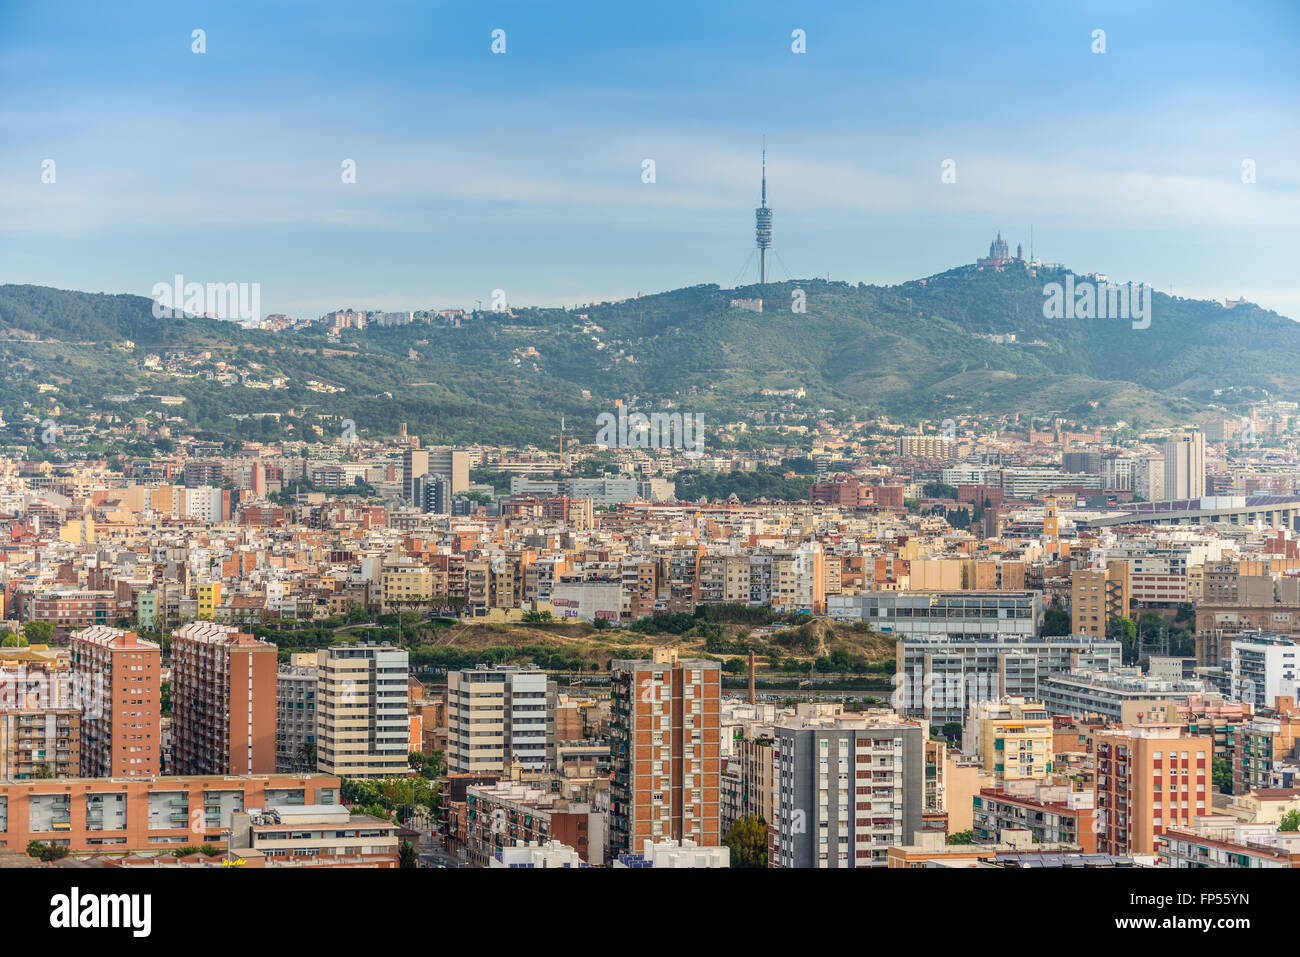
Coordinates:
[1123,696]
[497,716]
[1218,843]
[951,614]
[1263,668]
[503,815]
[1185,466]
[1012,737]
[1051,814]
[295,717]
[95,814]
[1098,595]
[665,751]
[223,701]
[937,678]
[314,835]
[1263,744]
[406,585]
[120,677]
[40,743]
[848,788]
[362,729]
[934,447]
[1149,779]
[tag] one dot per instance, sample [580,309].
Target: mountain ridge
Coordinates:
[935,347]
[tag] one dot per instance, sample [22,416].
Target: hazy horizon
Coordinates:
[523,170]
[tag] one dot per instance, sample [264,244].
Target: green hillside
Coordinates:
[907,351]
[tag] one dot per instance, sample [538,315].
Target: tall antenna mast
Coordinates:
[763,225]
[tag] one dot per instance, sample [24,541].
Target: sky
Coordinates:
[522,171]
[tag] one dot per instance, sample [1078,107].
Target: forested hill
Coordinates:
[921,349]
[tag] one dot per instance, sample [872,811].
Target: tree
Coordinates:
[1056,621]
[1290,821]
[305,756]
[406,856]
[747,840]
[952,731]
[12,640]
[1222,775]
[429,765]
[962,837]
[46,852]
[43,771]
[38,632]
[1125,631]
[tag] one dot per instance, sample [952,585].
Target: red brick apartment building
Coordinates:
[223,701]
[118,676]
[666,762]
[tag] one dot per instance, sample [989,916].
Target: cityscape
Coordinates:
[940,554]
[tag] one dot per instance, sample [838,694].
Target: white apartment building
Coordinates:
[362,728]
[499,715]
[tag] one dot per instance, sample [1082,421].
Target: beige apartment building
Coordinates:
[44,743]
[1013,738]
[405,585]
[499,716]
[1097,595]
[362,726]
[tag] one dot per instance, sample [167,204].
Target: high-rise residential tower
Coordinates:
[118,677]
[665,751]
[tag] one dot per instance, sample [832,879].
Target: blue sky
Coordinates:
[522,171]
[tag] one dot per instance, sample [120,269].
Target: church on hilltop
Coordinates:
[1000,254]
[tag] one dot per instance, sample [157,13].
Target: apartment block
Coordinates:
[1220,841]
[1098,595]
[405,585]
[1262,744]
[1052,814]
[848,788]
[1013,738]
[1123,696]
[95,814]
[1264,667]
[223,701]
[362,728]
[41,743]
[120,675]
[499,716]
[504,815]
[295,716]
[1149,779]
[665,751]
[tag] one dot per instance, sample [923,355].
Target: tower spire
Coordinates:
[763,224]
